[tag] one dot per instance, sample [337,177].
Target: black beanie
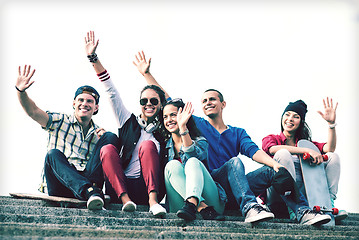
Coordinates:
[299,107]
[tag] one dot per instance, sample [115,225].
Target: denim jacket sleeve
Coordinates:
[199,149]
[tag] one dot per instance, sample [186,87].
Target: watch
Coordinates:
[184,133]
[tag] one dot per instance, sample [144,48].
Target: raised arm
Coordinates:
[144,68]
[183,116]
[90,47]
[23,82]
[329,115]
[119,109]
[197,148]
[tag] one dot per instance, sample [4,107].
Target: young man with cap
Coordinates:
[225,144]
[283,147]
[72,165]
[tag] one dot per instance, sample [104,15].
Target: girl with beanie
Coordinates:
[283,147]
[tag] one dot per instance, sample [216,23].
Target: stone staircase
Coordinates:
[37,219]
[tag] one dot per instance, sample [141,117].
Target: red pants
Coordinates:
[150,169]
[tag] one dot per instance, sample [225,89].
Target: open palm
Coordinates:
[329,113]
[90,43]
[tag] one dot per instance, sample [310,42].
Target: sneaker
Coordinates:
[129,207]
[258,213]
[312,218]
[342,214]
[157,210]
[209,213]
[188,211]
[94,197]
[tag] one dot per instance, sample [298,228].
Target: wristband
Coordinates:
[93,57]
[19,89]
[184,133]
[331,126]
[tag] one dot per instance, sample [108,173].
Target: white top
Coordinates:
[133,169]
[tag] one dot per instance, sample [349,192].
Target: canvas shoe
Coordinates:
[129,207]
[258,213]
[312,218]
[188,211]
[95,198]
[157,210]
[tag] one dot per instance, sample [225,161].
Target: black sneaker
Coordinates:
[94,198]
[209,213]
[188,211]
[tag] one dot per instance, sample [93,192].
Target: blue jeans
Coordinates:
[231,176]
[244,188]
[64,180]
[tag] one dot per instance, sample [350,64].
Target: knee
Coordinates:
[147,145]
[110,138]
[284,157]
[333,159]
[237,164]
[52,154]
[173,167]
[192,163]
[107,150]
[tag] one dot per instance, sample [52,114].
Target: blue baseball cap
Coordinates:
[89,90]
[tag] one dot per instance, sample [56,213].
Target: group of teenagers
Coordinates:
[168,153]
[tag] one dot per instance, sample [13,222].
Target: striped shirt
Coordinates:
[66,135]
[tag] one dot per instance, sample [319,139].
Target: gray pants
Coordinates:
[332,169]
[291,162]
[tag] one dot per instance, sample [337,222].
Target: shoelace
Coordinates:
[259,208]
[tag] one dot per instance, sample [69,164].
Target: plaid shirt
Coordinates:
[66,135]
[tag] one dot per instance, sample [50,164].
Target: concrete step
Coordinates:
[21,219]
[152,233]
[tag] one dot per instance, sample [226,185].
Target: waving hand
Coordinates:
[142,65]
[329,113]
[90,43]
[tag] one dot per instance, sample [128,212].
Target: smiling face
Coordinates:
[150,109]
[170,118]
[211,104]
[85,106]
[290,121]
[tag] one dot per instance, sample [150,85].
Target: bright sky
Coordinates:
[259,54]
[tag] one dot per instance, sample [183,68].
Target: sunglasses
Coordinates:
[175,100]
[153,101]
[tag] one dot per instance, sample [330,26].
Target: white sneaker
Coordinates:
[313,218]
[258,213]
[129,207]
[157,210]
[95,203]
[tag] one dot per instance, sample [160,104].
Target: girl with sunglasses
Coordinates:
[133,171]
[186,176]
